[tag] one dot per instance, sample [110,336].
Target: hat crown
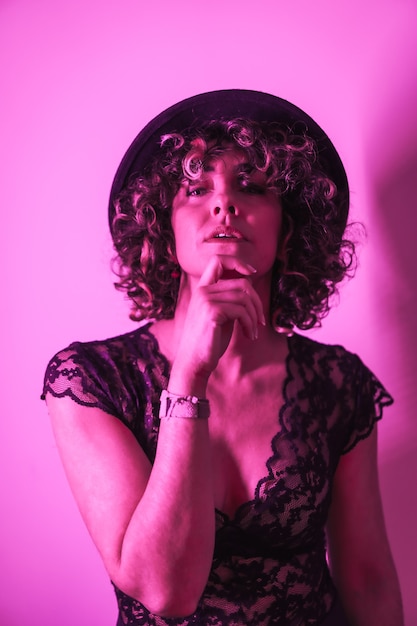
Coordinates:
[227,104]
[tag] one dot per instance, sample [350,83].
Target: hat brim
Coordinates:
[226,104]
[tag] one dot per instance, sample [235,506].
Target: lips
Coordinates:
[225,233]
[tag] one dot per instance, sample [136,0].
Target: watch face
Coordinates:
[183,407]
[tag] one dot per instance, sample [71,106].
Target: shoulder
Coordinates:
[117,352]
[136,343]
[337,380]
[336,362]
[325,358]
[118,374]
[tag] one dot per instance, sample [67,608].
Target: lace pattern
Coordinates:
[269,565]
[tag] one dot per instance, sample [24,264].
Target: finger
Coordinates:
[212,273]
[219,263]
[232,311]
[234,264]
[257,302]
[239,297]
[240,285]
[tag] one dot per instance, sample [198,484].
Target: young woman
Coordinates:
[224,465]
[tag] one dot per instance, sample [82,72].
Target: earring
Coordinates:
[284,330]
[281,329]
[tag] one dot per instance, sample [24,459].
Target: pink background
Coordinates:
[78,81]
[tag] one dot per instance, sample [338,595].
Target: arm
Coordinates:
[154,525]
[360,556]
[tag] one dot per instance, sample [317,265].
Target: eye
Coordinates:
[196,191]
[250,187]
[255,189]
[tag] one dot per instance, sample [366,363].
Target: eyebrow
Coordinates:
[246,168]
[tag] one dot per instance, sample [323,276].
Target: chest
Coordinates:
[265,450]
[242,428]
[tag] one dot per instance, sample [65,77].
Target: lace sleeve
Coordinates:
[123,376]
[86,377]
[369,399]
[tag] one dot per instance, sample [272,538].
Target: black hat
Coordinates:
[229,103]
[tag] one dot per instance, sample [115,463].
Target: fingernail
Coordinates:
[252,269]
[263,320]
[255,334]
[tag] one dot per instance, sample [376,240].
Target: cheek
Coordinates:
[179,225]
[272,238]
[186,235]
[270,227]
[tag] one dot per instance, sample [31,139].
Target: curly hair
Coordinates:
[316,256]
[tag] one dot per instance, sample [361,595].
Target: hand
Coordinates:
[215,306]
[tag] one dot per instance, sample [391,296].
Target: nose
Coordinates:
[226,209]
[223,205]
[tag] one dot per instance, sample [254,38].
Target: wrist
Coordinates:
[186,382]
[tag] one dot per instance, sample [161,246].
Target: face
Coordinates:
[228,211]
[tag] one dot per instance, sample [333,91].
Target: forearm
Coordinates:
[377,603]
[360,557]
[167,548]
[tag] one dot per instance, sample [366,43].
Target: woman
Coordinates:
[216,456]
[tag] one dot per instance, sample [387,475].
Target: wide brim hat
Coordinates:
[196,111]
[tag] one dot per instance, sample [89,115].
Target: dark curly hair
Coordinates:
[316,256]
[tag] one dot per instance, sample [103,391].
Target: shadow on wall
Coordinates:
[392,170]
[394,191]
[396,198]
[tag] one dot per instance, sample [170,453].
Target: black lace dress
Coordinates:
[269,565]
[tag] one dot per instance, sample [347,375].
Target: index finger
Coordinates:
[218,263]
[212,273]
